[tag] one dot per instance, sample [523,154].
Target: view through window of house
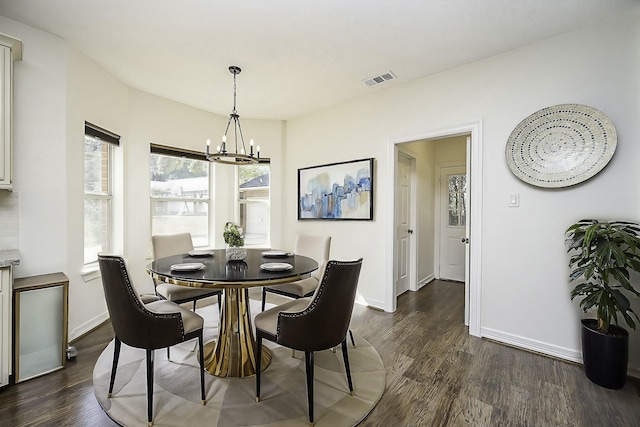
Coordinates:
[457,206]
[97,198]
[253,199]
[179,195]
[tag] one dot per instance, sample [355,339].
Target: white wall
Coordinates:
[40,104]
[525,291]
[450,151]
[96,97]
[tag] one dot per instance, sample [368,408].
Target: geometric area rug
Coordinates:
[231,401]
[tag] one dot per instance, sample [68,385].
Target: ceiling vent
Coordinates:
[372,81]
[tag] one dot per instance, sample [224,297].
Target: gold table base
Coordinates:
[233,353]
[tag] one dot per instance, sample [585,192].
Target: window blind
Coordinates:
[102,134]
[177,152]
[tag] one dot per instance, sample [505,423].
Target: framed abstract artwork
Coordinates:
[336,191]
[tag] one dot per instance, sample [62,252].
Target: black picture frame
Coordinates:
[342,191]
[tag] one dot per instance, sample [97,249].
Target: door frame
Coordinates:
[474,162]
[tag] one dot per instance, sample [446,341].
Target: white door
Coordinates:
[403,224]
[453,222]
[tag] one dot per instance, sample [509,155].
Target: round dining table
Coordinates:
[232,354]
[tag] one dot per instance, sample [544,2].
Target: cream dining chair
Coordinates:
[165,245]
[315,247]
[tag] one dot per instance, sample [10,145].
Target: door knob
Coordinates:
[464,240]
[410,231]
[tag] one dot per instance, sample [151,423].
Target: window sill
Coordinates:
[90,272]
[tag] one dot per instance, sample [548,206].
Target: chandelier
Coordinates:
[224,154]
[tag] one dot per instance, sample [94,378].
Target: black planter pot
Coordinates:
[605,355]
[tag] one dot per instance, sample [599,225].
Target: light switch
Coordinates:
[514,200]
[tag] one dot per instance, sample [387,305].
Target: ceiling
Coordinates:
[297,56]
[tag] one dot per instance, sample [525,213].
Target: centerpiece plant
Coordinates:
[233,235]
[604,255]
[234,238]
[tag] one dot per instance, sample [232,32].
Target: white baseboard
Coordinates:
[543,348]
[377,304]
[430,278]
[368,302]
[532,345]
[88,326]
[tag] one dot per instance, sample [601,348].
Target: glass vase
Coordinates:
[236,253]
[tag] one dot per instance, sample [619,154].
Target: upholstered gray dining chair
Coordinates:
[315,247]
[165,245]
[148,326]
[313,324]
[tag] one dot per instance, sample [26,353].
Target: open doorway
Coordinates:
[428,255]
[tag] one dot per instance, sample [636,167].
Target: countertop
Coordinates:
[9,257]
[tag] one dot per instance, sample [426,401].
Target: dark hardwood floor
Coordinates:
[437,375]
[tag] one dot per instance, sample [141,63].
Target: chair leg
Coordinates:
[258,367]
[264,298]
[201,351]
[308,356]
[114,366]
[345,356]
[219,301]
[168,353]
[353,342]
[150,387]
[194,305]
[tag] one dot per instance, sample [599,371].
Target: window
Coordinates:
[253,200]
[98,197]
[179,193]
[457,205]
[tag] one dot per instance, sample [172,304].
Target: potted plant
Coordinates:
[603,253]
[234,238]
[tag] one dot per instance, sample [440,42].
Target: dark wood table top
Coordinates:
[217,272]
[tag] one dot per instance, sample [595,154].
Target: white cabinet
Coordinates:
[10,51]
[5,325]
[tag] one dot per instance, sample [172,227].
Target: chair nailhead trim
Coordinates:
[137,300]
[314,302]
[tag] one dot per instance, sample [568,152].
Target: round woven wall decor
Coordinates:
[561,145]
